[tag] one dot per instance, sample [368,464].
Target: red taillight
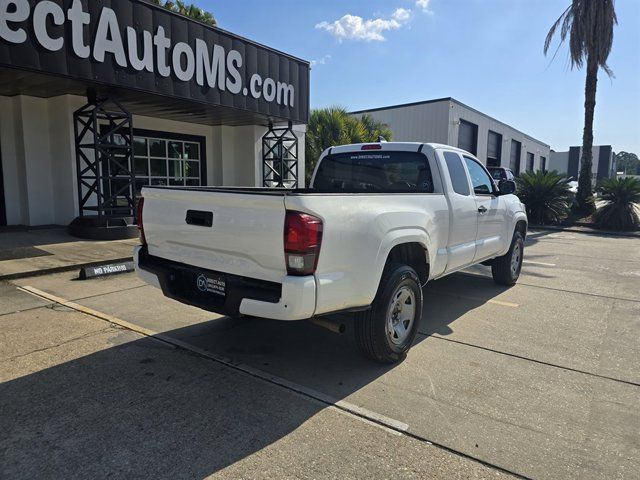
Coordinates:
[143,240]
[372,146]
[302,239]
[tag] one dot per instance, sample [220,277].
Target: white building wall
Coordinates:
[15,187]
[26,159]
[63,165]
[39,165]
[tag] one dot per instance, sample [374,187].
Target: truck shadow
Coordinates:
[140,408]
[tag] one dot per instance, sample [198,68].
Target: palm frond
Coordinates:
[546,196]
[589,26]
[620,208]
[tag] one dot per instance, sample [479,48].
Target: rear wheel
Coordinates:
[386,331]
[506,269]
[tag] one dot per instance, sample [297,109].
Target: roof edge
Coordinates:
[448,99]
[400,105]
[222,30]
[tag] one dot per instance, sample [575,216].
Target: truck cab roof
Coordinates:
[392,146]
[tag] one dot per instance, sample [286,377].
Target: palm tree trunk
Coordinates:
[585,189]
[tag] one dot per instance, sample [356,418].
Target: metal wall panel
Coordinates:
[573,168]
[439,121]
[425,122]
[485,123]
[604,161]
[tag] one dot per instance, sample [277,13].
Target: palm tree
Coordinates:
[332,126]
[191,11]
[589,25]
[620,209]
[546,196]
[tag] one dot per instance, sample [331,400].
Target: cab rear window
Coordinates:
[379,171]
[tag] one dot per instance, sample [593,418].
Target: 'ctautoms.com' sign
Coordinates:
[98,33]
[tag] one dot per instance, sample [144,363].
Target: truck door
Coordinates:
[491,211]
[463,213]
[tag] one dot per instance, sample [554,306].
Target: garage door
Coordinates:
[514,163]
[468,137]
[494,149]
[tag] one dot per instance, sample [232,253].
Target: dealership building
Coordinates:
[101,97]
[450,122]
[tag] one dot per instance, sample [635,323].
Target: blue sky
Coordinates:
[486,53]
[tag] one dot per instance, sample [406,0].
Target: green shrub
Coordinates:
[546,196]
[620,203]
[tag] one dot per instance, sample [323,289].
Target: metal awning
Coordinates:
[21,82]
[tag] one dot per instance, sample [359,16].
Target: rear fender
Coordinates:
[393,239]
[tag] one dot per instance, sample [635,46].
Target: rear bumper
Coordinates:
[293,299]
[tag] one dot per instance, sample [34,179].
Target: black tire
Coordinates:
[504,271]
[370,326]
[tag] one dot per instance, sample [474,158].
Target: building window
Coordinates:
[161,158]
[494,149]
[514,159]
[168,159]
[530,162]
[543,164]
[468,137]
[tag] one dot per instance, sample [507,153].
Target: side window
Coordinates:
[482,183]
[457,173]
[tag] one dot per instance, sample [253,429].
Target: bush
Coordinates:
[546,196]
[620,201]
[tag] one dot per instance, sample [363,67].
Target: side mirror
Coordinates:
[507,187]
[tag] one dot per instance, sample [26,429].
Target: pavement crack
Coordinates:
[597,295]
[529,359]
[57,345]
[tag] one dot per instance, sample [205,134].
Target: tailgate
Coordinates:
[245,237]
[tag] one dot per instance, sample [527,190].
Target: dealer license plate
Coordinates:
[211,283]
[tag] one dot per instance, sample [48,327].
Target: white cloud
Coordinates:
[423,5]
[353,27]
[401,15]
[321,61]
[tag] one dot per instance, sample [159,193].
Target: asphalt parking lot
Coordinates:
[541,380]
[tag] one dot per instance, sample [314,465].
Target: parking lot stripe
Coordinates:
[530,262]
[477,299]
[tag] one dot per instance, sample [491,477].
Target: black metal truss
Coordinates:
[280,157]
[104,160]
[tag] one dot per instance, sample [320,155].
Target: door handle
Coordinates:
[482,210]
[199,218]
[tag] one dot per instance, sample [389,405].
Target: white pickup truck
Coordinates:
[377,223]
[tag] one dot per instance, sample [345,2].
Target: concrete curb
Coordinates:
[588,232]
[63,268]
